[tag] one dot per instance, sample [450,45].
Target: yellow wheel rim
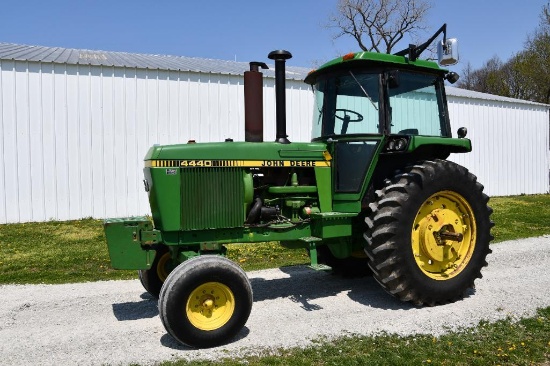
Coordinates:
[163,266]
[444,235]
[210,306]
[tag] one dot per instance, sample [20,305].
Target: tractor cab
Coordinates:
[369,105]
[367,100]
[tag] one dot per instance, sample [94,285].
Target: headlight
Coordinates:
[396,144]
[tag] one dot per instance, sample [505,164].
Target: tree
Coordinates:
[487,79]
[538,70]
[545,16]
[378,25]
[515,81]
[537,54]
[467,80]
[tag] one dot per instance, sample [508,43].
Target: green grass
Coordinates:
[56,252]
[265,255]
[75,251]
[519,217]
[505,342]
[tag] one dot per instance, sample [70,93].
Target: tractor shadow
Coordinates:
[304,285]
[136,310]
[301,285]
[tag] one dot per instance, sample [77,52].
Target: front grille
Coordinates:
[212,198]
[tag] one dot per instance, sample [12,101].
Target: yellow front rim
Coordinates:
[444,235]
[210,306]
[163,266]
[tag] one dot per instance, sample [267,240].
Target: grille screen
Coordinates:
[212,198]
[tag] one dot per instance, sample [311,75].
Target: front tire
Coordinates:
[205,301]
[429,233]
[153,278]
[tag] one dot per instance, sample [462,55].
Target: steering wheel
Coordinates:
[347,118]
[359,116]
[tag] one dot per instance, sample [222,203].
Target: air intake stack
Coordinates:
[280,57]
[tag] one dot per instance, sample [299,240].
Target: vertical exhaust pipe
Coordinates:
[280,57]
[253,103]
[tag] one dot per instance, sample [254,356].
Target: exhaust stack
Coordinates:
[280,57]
[253,103]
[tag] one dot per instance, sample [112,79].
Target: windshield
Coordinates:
[416,105]
[346,104]
[349,103]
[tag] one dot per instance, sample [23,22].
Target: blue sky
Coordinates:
[249,30]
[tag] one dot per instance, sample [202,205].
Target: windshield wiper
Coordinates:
[363,89]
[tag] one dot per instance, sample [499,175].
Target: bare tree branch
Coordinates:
[379,25]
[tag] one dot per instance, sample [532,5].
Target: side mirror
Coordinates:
[462,132]
[448,52]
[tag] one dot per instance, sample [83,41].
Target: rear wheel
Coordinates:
[205,301]
[429,233]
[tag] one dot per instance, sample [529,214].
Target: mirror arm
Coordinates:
[414,51]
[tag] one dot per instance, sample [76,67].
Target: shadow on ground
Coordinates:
[144,309]
[301,286]
[304,284]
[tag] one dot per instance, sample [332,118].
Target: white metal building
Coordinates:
[510,139]
[75,125]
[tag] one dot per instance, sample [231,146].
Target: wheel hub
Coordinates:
[436,231]
[443,236]
[210,306]
[164,266]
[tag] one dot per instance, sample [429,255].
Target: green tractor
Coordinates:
[372,189]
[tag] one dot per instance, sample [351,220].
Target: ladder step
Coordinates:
[320,267]
[310,239]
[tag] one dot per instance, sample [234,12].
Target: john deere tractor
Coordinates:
[373,187]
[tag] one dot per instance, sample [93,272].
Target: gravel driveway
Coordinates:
[116,322]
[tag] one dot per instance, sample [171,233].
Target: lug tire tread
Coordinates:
[389,231]
[187,277]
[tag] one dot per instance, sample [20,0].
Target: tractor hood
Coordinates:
[186,154]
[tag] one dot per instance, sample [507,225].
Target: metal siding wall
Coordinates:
[299,111]
[510,144]
[8,181]
[73,137]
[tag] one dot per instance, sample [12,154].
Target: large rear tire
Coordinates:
[429,233]
[205,301]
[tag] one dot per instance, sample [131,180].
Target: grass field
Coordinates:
[75,251]
[526,342]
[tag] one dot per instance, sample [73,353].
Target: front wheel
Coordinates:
[153,278]
[205,301]
[429,233]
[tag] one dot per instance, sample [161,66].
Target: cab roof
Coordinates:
[375,59]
